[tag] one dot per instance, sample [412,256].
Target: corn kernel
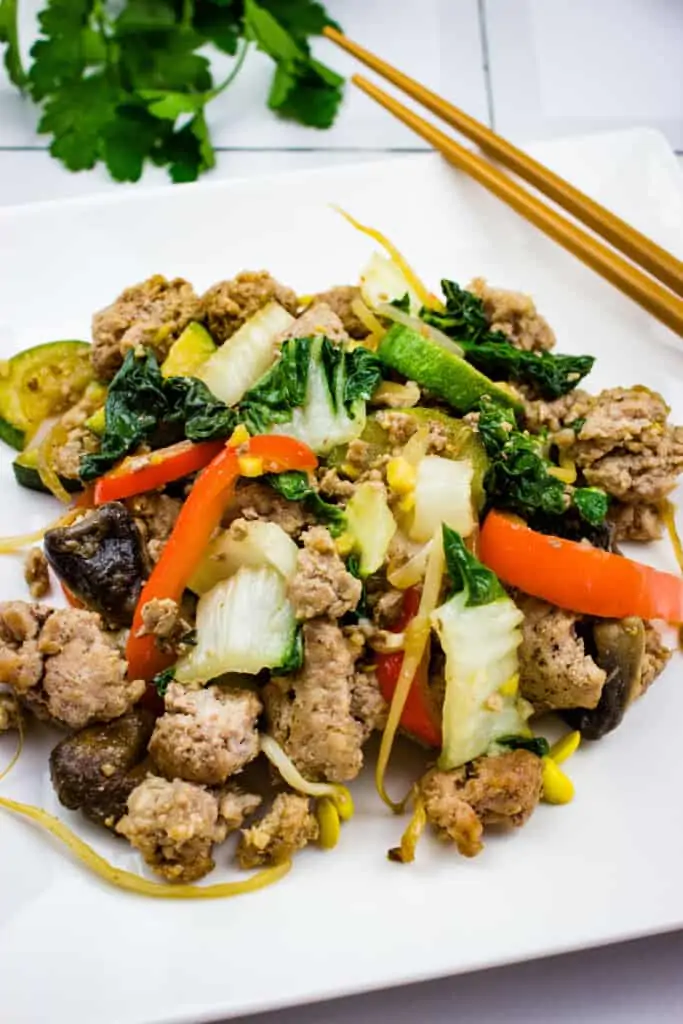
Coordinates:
[407,502]
[565,747]
[328,822]
[510,687]
[344,544]
[401,476]
[348,469]
[558,788]
[240,435]
[250,465]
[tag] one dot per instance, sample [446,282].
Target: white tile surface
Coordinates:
[561,67]
[436,41]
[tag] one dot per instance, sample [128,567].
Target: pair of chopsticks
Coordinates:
[663,300]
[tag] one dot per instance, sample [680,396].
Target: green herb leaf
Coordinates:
[163,679]
[467,573]
[544,373]
[592,504]
[295,486]
[9,36]
[537,745]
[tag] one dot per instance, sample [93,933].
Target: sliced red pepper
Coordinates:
[575,576]
[139,473]
[199,517]
[419,717]
[71,598]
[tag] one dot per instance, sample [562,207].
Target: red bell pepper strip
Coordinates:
[575,576]
[419,717]
[139,473]
[199,517]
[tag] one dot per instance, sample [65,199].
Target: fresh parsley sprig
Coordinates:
[125,82]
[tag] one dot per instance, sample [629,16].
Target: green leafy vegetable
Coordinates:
[519,479]
[295,486]
[547,375]
[163,679]
[123,82]
[468,574]
[141,403]
[537,745]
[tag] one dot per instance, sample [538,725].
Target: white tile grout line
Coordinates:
[483,33]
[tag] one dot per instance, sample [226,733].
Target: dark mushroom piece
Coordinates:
[101,559]
[619,648]
[95,769]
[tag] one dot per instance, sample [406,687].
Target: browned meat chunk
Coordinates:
[390,395]
[155,515]
[368,706]
[229,304]
[332,485]
[554,669]
[318,319]
[500,790]
[655,657]
[151,314]
[515,315]
[387,609]
[339,300]
[401,426]
[174,825]
[287,827]
[236,806]
[161,618]
[10,712]
[206,735]
[322,585]
[63,665]
[37,574]
[255,500]
[621,440]
[310,713]
[78,440]
[97,768]
[635,522]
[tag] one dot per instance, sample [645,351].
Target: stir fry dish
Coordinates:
[291,522]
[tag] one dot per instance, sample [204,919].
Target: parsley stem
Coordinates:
[234,71]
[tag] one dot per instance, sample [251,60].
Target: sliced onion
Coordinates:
[399,316]
[368,320]
[411,572]
[46,468]
[668,514]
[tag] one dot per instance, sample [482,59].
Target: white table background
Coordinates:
[531,69]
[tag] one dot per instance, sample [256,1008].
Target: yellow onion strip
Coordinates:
[340,795]
[405,853]
[10,545]
[411,572]
[668,514]
[423,294]
[135,883]
[370,322]
[20,741]
[417,638]
[46,468]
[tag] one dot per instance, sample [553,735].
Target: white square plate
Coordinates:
[606,867]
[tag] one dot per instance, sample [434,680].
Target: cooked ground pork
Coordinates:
[322,584]
[155,515]
[500,790]
[310,713]
[37,574]
[229,304]
[205,735]
[396,396]
[388,607]
[635,522]
[10,712]
[78,441]
[235,806]
[368,706]
[332,485]
[174,825]
[623,442]
[554,669]
[655,657]
[339,300]
[401,426]
[63,664]
[254,500]
[161,619]
[515,315]
[317,319]
[287,827]
[150,314]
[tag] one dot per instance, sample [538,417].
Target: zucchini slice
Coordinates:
[39,382]
[26,474]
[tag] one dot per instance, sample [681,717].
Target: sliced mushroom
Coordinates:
[101,559]
[96,768]
[619,649]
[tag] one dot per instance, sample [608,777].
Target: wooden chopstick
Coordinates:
[644,290]
[638,247]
